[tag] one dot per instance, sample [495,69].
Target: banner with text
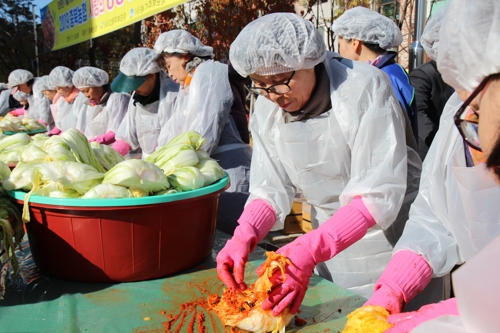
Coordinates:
[68,22]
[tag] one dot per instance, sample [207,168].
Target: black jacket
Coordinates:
[431,95]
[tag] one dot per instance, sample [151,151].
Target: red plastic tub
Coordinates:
[122,243]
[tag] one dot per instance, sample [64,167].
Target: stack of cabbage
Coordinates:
[11,147]
[11,233]
[11,123]
[67,166]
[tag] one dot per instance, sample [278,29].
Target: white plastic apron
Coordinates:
[479,195]
[97,121]
[359,266]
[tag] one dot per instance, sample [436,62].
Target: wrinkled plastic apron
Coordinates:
[358,267]
[148,127]
[96,121]
[479,195]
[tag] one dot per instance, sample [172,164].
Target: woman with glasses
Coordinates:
[332,128]
[206,104]
[456,213]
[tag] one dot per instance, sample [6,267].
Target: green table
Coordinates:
[55,305]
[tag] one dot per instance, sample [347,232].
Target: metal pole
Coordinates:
[317,14]
[416,49]
[36,42]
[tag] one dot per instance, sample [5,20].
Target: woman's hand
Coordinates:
[407,321]
[291,290]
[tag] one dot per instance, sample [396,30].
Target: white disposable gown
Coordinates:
[204,106]
[107,117]
[356,148]
[142,124]
[453,216]
[39,107]
[4,102]
[72,115]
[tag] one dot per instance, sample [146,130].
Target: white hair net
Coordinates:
[19,76]
[61,76]
[181,41]
[469,48]
[139,62]
[368,26]
[277,43]
[430,37]
[86,77]
[43,83]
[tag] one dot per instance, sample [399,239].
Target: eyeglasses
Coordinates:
[468,128]
[279,89]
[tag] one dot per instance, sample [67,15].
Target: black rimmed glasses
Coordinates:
[468,128]
[279,89]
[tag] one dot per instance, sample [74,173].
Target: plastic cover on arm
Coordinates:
[61,76]
[368,26]
[127,131]
[86,77]
[204,107]
[468,43]
[428,229]
[277,43]
[181,41]
[116,109]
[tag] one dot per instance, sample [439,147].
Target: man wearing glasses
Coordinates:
[332,128]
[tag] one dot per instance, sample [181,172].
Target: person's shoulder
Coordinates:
[348,73]
[210,67]
[114,96]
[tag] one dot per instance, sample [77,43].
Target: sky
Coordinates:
[40,4]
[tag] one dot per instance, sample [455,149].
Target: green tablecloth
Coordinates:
[52,305]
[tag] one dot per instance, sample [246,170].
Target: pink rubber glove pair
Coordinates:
[17,112]
[55,131]
[407,321]
[105,139]
[406,275]
[348,225]
[122,147]
[255,222]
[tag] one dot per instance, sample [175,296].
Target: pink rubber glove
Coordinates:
[122,147]
[407,321]
[105,139]
[17,112]
[406,275]
[55,131]
[348,225]
[255,222]
[42,122]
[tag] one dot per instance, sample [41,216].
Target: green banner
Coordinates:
[68,22]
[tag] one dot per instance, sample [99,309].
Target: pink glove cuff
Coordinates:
[348,225]
[260,215]
[42,122]
[55,131]
[407,273]
[122,147]
[17,112]
[108,138]
[255,222]
[450,307]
